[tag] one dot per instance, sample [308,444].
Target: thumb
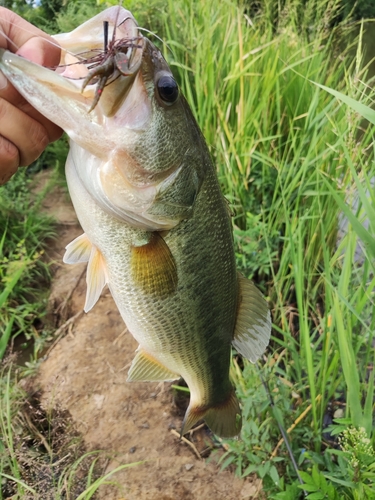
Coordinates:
[41,51]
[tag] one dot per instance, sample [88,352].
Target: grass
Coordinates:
[24,231]
[290,158]
[280,102]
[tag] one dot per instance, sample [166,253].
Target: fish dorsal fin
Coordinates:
[253,326]
[78,250]
[146,368]
[153,267]
[96,278]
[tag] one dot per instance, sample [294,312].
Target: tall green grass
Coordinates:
[24,233]
[289,156]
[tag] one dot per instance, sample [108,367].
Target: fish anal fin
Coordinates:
[146,368]
[253,326]
[223,419]
[153,267]
[96,278]
[78,250]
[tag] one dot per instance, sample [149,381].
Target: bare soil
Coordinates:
[84,372]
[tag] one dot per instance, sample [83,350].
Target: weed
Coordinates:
[25,230]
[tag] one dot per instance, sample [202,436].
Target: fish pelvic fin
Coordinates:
[78,250]
[82,250]
[96,278]
[145,368]
[223,419]
[153,267]
[253,326]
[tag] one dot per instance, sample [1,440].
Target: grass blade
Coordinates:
[5,336]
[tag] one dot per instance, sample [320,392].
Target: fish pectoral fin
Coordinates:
[253,326]
[153,267]
[223,419]
[82,250]
[78,250]
[96,278]
[145,368]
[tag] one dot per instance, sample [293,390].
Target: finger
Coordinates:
[26,134]
[45,52]
[17,31]
[41,52]
[9,160]
[11,95]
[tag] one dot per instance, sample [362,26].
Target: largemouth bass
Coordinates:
[157,229]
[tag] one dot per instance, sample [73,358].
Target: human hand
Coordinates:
[24,132]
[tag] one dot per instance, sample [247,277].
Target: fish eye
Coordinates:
[167,89]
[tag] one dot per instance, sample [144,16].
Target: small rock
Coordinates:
[189,466]
[251,490]
[98,398]
[339,413]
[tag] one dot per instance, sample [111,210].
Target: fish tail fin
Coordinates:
[224,419]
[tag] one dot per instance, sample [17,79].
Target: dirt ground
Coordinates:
[84,372]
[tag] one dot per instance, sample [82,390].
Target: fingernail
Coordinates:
[3,81]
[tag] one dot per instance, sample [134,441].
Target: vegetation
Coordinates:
[305,13]
[24,232]
[292,160]
[298,168]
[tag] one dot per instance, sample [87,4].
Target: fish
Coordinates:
[157,229]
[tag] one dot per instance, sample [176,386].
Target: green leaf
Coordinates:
[306,478]
[331,492]
[4,339]
[361,231]
[316,475]
[308,487]
[349,367]
[369,402]
[91,490]
[229,460]
[349,484]
[357,106]
[316,496]
[18,481]
[274,475]
[11,283]
[323,482]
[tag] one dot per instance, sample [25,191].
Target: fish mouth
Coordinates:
[115,64]
[65,94]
